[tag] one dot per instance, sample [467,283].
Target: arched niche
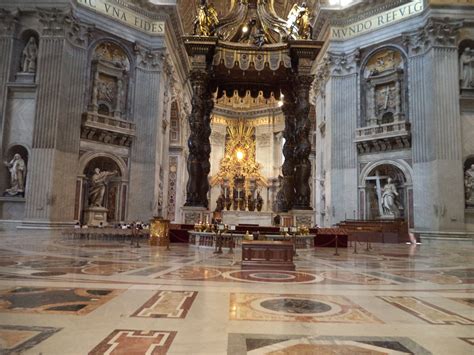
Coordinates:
[10,186]
[372,180]
[384,97]
[466,65]
[115,196]
[26,56]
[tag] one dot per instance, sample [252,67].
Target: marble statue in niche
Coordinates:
[389,196]
[29,56]
[99,182]
[17,169]
[466,69]
[469,186]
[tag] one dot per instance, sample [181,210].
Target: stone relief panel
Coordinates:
[174,124]
[384,99]
[383,88]
[469,182]
[106,119]
[110,67]
[172,182]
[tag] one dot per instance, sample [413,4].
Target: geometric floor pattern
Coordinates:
[64,296]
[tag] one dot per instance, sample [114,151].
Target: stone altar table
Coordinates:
[263,219]
[267,255]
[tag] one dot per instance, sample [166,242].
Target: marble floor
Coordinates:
[65,296]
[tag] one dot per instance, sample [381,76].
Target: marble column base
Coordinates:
[25,77]
[193,215]
[303,217]
[94,216]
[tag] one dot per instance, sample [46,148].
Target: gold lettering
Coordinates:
[124,15]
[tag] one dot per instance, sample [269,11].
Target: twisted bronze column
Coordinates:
[198,164]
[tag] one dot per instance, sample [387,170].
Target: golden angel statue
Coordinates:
[299,22]
[206,20]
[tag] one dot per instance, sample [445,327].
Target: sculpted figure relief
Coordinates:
[259,202]
[469,186]
[17,169]
[466,67]
[29,56]
[389,195]
[206,20]
[99,182]
[299,22]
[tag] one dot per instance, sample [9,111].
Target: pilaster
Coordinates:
[146,149]
[52,171]
[341,112]
[8,21]
[436,126]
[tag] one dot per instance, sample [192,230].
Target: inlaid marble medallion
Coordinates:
[167,304]
[297,308]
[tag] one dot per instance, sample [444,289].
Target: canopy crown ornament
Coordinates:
[254,23]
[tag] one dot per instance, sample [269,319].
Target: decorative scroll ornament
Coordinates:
[436,32]
[383,62]
[8,20]
[53,21]
[150,59]
[244,59]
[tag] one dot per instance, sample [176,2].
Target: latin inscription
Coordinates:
[144,24]
[378,21]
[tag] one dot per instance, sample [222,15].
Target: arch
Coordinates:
[381,48]
[88,157]
[404,167]
[26,147]
[96,43]
[466,41]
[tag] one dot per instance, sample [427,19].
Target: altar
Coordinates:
[263,219]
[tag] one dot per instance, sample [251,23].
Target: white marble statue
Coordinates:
[17,168]
[466,69]
[469,185]
[389,195]
[29,56]
[98,184]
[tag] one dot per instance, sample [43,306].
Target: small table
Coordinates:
[274,255]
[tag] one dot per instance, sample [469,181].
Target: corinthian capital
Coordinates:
[321,76]
[8,21]
[437,32]
[54,21]
[77,32]
[149,59]
[343,63]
